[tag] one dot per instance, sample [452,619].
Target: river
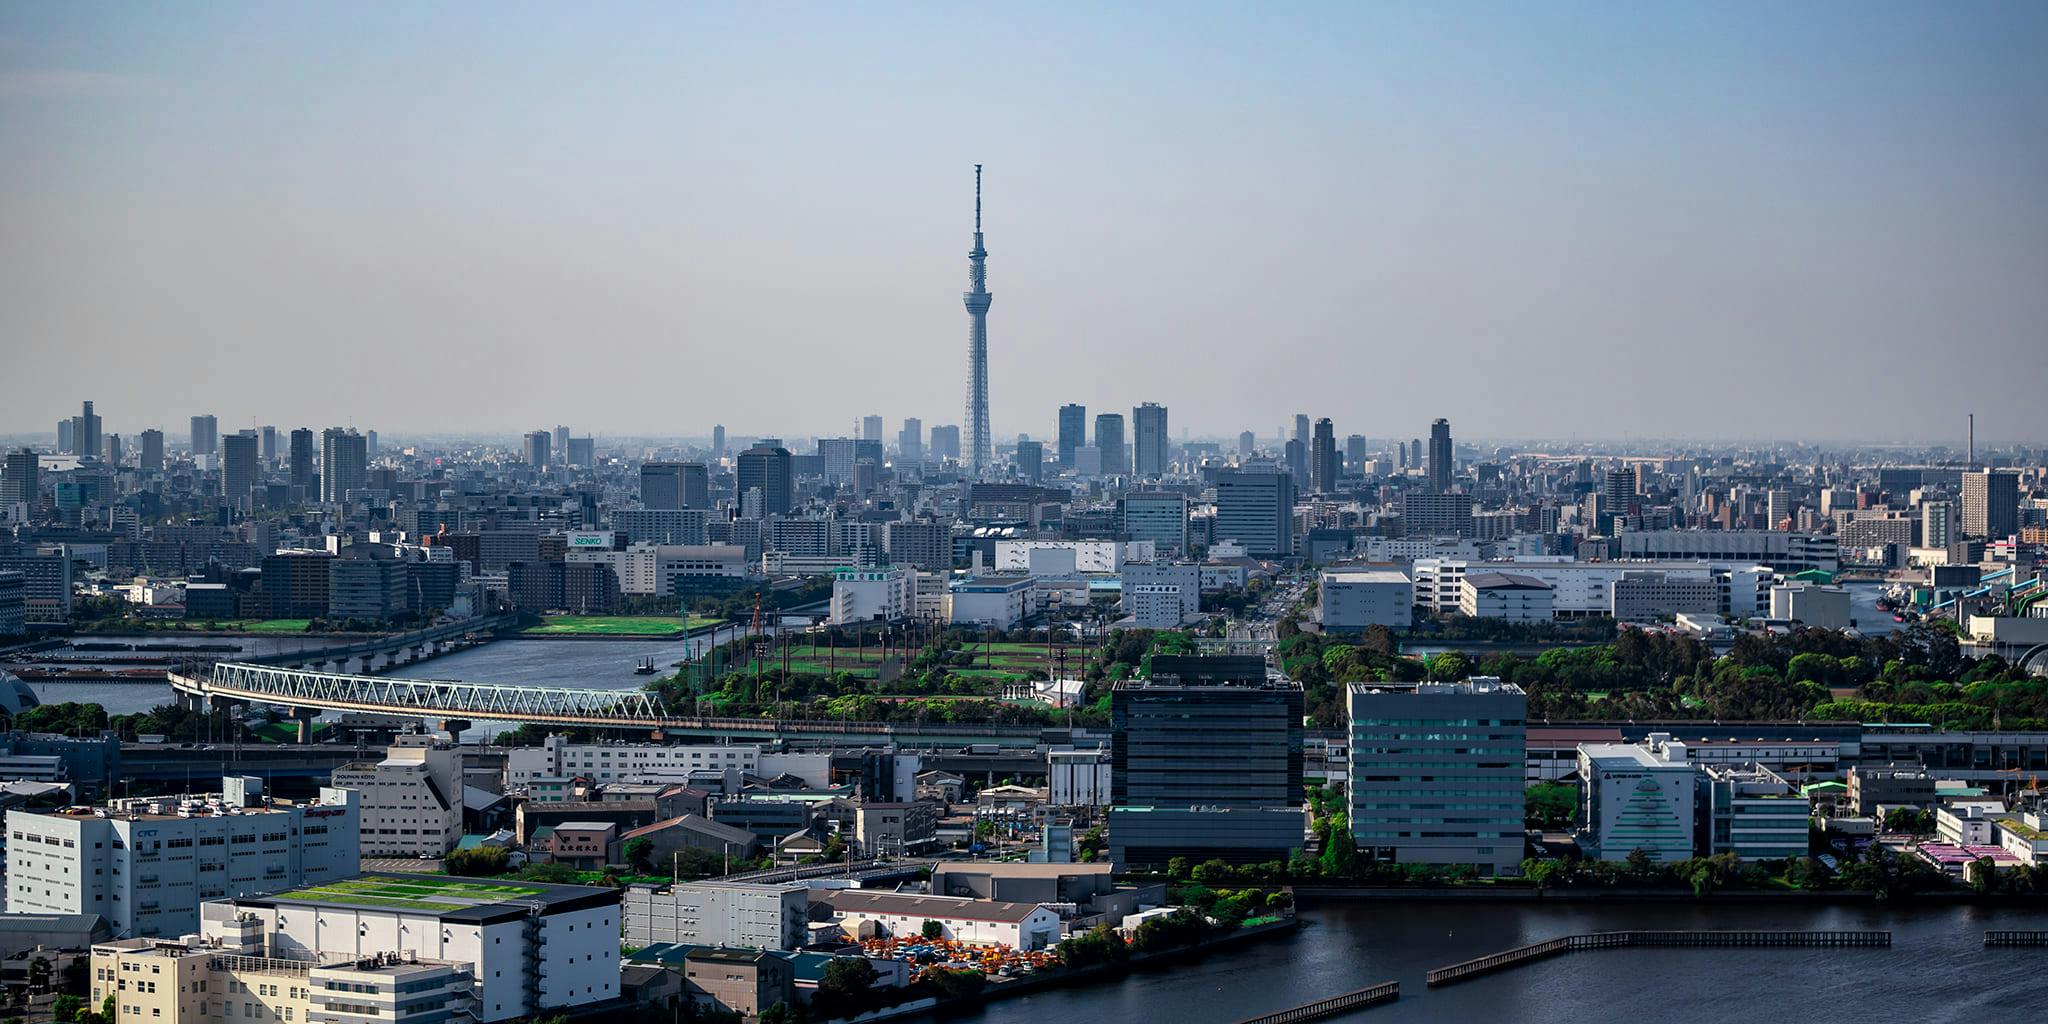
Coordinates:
[1937,969]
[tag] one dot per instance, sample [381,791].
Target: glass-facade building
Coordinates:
[1437,773]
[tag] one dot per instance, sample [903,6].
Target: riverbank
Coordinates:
[1307,895]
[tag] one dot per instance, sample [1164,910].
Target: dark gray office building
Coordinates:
[769,470]
[1109,440]
[674,485]
[1255,507]
[1073,432]
[1205,763]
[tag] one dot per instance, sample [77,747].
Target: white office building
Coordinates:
[1077,778]
[868,595]
[410,803]
[557,758]
[998,602]
[717,913]
[1637,797]
[1752,812]
[535,947]
[1501,595]
[1813,606]
[1348,600]
[1161,595]
[1089,555]
[147,864]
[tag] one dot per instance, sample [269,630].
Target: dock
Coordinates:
[1384,992]
[1635,939]
[2016,938]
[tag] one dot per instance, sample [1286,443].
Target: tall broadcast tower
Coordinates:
[980,443]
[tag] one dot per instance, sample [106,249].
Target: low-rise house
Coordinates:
[863,914]
[742,981]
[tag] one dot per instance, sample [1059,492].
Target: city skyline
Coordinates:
[1679,212]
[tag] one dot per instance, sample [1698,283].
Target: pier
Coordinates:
[2016,938]
[1384,992]
[1632,939]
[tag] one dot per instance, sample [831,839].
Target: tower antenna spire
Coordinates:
[977,199]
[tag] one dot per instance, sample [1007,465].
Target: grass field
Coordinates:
[250,625]
[615,625]
[417,891]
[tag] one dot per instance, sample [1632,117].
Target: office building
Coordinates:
[47,576]
[1323,465]
[1301,428]
[344,464]
[1149,437]
[538,448]
[1109,440]
[1873,787]
[240,462]
[768,471]
[1637,796]
[581,452]
[1991,501]
[13,603]
[64,428]
[1811,605]
[1657,596]
[1436,514]
[534,948]
[410,802]
[1939,524]
[1247,443]
[299,459]
[1296,452]
[205,435]
[1782,551]
[1504,595]
[146,864]
[1441,463]
[151,457]
[1206,763]
[225,974]
[21,478]
[110,450]
[995,602]
[718,441]
[910,441]
[1029,459]
[1255,507]
[837,455]
[1161,595]
[675,485]
[1349,600]
[870,595]
[871,428]
[85,432]
[946,442]
[269,435]
[1354,454]
[1751,812]
[714,913]
[1157,516]
[1437,773]
[925,544]
[1073,432]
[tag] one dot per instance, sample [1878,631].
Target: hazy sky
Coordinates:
[1717,220]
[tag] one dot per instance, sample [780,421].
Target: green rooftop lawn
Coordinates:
[616,625]
[408,892]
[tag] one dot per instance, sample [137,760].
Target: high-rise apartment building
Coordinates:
[537,448]
[240,455]
[21,479]
[1255,507]
[344,464]
[675,485]
[560,443]
[1323,467]
[946,442]
[1354,453]
[1991,504]
[1437,773]
[768,470]
[205,435]
[1029,458]
[1206,762]
[110,450]
[151,458]
[1073,432]
[1149,436]
[718,441]
[1109,440]
[1440,461]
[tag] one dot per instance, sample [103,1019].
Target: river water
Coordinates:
[1937,969]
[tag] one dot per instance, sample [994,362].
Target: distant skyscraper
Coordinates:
[1991,504]
[768,470]
[1030,461]
[1256,508]
[1301,428]
[536,450]
[1322,458]
[370,443]
[344,462]
[205,435]
[1440,455]
[269,446]
[837,453]
[946,442]
[1354,453]
[1073,432]
[981,443]
[65,442]
[1148,431]
[718,441]
[1247,443]
[20,479]
[110,450]
[671,485]
[151,459]
[85,431]
[582,452]
[561,443]
[1415,454]
[1297,463]
[299,459]
[871,428]
[1109,440]
[239,455]
[910,440]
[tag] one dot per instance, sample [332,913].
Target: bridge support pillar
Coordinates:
[455,727]
[303,719]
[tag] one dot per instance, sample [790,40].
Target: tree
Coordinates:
[1449,666]
[1541,872]
[65,1008]
[845,988]
[1551,806]
[1639,868]
[478,862]
[639,853]
[933,930]
[39,974]
[1340,851]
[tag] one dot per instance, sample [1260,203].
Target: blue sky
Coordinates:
[1544,220]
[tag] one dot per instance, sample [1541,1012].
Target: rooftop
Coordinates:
[467,899]
[861,901]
